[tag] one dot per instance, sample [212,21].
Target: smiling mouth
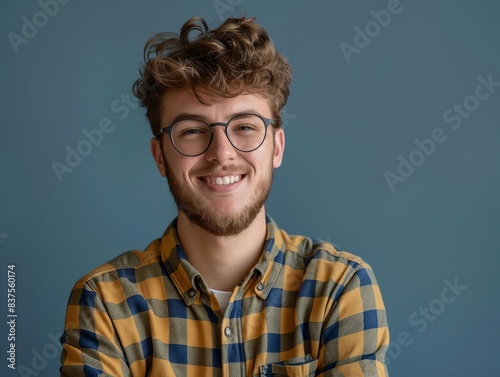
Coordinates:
[222,181]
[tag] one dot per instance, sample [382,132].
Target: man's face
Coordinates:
[198,184]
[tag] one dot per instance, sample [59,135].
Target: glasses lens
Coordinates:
[191,137]
[246,132]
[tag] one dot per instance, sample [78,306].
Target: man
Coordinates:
[224,292]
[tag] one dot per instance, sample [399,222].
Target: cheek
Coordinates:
[175,164]
[260,162]
[183,167]
[267,154]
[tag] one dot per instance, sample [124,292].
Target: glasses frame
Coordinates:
[168,130]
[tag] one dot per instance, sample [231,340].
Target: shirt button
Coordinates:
[192,293]
[228,332]
[260,286]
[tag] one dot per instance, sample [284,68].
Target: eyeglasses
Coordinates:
[192,137]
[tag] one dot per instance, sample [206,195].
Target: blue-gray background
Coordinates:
[347,122]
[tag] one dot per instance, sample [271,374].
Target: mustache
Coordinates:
[214,170]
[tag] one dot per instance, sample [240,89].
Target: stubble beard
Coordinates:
[219,223]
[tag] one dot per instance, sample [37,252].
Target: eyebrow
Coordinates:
[184,116]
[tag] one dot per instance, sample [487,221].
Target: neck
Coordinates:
[222,261]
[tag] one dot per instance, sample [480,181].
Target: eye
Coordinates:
[191,131]
[245,127]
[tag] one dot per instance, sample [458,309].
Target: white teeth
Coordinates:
[224,181]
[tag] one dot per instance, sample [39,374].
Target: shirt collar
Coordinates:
[188,280]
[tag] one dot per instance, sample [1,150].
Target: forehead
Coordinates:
[213,108]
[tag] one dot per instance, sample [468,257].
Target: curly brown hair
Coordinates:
[236,58]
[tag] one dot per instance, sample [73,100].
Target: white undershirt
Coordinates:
[223,297]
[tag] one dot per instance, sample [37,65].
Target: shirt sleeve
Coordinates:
[90,344]
[356,335]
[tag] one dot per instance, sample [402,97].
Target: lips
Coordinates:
[222,180]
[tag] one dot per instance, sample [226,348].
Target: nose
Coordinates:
[221,150]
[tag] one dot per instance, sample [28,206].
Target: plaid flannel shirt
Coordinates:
[305,309]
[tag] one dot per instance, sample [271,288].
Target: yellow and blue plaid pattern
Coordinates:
[305,309]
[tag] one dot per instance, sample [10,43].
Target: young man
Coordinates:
[224,292]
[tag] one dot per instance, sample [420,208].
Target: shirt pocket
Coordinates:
[298,367]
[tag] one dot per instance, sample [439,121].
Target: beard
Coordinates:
[216,222]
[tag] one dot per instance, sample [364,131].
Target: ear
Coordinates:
[279,147]
[157,155]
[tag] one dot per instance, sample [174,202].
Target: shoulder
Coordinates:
[128,264]
[344,278]
[309,249]
[321,261]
